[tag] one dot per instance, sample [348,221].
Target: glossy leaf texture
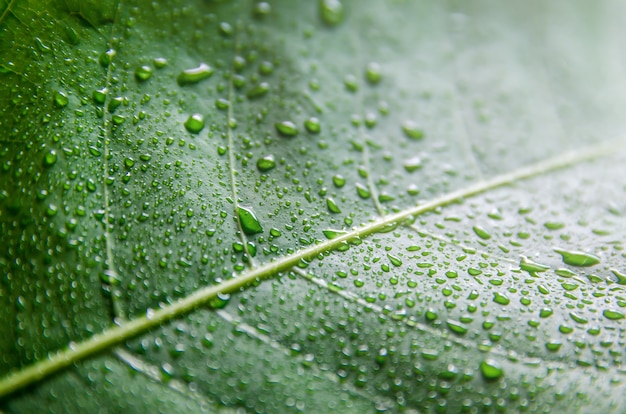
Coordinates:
[152,150]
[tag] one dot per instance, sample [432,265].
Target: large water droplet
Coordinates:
[287,128]
[143,73]
[60,99]
[576,258]
[491,369]
[249,222]
[331,11]
[266,163]
[194,75]
[412,130]
[195,123]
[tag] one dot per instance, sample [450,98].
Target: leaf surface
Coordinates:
[306,206]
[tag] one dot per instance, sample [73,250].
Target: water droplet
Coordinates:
[456,327]
[60,99]
[576,258]
[226,29]
[553,345]
[411,130]
[262,8]
[266,68]
[491,369]
[312,125]
[287,128]
[249,222]
[394,260]
[551,225]
[159,62]
[331,11]
[222,104]
[332,206]
[612,315]
[532,267]
[351,83]
[501,298]
[266,163]
[258,91]
[195,123]
[481,232]
[413,164]
[99,96]
[194,75]
[620,277]
[363,191]
[50,158]
[333,234]
[373,73]
[339,180]
[143,73]
[107,57]
[110,277]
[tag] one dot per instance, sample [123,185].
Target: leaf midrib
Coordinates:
[153,318]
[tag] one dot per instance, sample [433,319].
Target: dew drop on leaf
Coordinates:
[194,75]
[258,91]
[143,73]
[412,130]
[373,73]
[576,258]
[612,315]
[491,369]
[195,123]
[331,11]
[287,128]
[159,62]
[312,125]
[60,99]
[266,163]
[249,222]
[50,158]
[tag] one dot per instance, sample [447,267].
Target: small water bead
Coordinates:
[195,123]
[226,29]
[331,12]
[286,128]
[195,75]
[576,258]
[532,267]
[115,103]
[266,163]
[249,222]
[481,232]
[332,206]
[107,57]
[50,158]
[351,83]
[60,99]
[99,96]
[339,180]
[258,91]
[413,164]
[363,191]
[412,130]
[370,120]
[313,125]
[222,104]
[491,369]
[612,315]
[266,68]
[373,73]
[262,9]
[143,73]
[159,62]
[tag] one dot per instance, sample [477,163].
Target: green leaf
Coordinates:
[323,206]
